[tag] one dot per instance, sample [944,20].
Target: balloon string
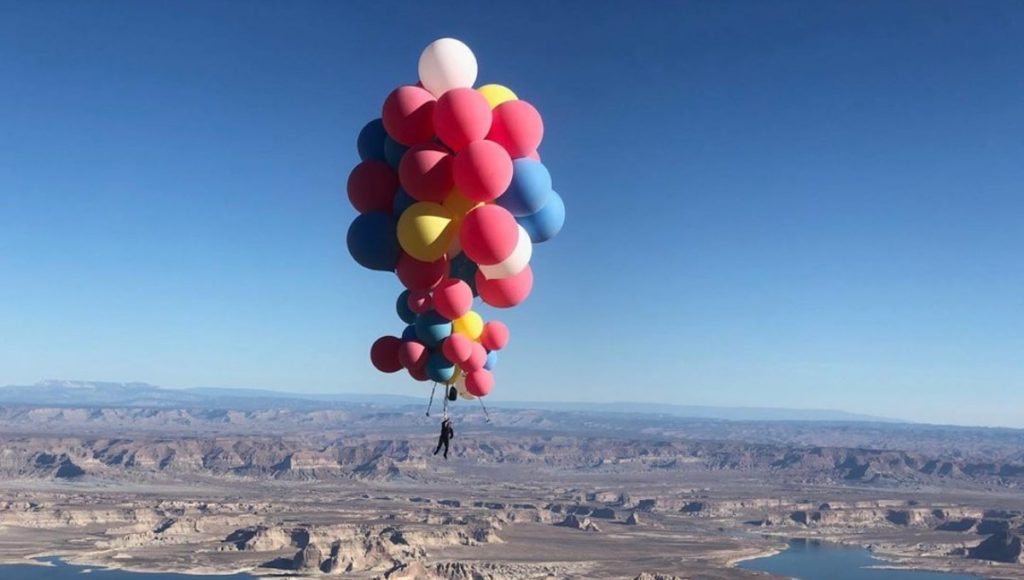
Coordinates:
[446,402]
[484,407]
[431,403]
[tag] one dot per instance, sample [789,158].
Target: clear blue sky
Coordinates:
[797,204]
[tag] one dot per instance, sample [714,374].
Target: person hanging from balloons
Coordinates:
[452,197]
[451,393]
[447,432]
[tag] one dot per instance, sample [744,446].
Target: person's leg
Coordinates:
[440,442]
[446,449]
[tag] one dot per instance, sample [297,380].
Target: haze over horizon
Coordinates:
[790,205]
[623,405]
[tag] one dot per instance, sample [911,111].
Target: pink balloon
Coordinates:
[494,336]
[417,275]
[533,155]
[488,234]
[457,348]
[412,354]
[408,115]
[384,354]
[482,170]
[419,301]
[461,116]
[425,172]
[476,359]
[505,292]
[479,383]
[453,298]
[517,127]
[372,186]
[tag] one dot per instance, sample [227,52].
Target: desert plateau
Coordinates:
[147,479]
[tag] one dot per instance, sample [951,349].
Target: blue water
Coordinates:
[806,560]
[63,571]
[811,560]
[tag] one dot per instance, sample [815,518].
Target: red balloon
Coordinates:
[457,348]
[483,170]
[461,116]
[419,374]
[419,301]
[517,127]
[372,186]
[476,359]
[408,115]
[412,354]
[533,155]
[384,354]
[505,292]
[479,383]
[417,275]
[453,298]
[488,234]
[494,336]
[426,172]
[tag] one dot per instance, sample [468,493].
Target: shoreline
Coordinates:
[71,561]
[767,553]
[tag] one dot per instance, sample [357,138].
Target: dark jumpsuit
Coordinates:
[447,432]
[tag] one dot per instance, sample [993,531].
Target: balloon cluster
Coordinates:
[452,196]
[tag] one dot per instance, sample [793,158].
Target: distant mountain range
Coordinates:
[68,393]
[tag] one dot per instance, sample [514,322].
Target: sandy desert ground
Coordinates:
[533,494]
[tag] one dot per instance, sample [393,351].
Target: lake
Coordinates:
[806,560]
[63,571]
[812,560]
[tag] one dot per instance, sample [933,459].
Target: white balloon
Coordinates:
[447,64]
[460,387]
[515,263]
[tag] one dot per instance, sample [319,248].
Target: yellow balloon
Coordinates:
[455,378]
[459,205]
[425,230]
[497,94]
[469,324]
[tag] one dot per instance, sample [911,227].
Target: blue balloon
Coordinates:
[393,152]
[409,333]
[529,190]
[439,368]
[492,360]
[402,202]
[464,269]
[546,223]
[372,241]
[402,306]
[432,328]
[370,143]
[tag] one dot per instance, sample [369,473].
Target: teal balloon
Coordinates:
[439,368]
[409,333]
[402,306]
[530,188]
[492,360]
[370,143]
[432,328]
[402,202]
[372,241]
[547,222]
[393,152]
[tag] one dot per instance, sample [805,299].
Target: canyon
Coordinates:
[352,488]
